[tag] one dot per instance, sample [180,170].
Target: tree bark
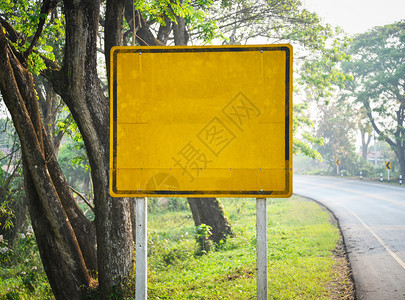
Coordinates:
[365,143]
[59,249]
[398,144]
[209,211]
[65,284]
[78,84]
[180,33]
[143,34]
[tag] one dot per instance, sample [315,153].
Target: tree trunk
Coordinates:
[59,249]
[143,34]
[209,211]
[398,144]
[66,282]
[401,158]
[400,136]
[365,143]
[78,84]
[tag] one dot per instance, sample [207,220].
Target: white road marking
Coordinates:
[392,253]
[359,193]
[388,249]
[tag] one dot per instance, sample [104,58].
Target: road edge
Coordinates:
[339,252]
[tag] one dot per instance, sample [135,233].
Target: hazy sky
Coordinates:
[357,16]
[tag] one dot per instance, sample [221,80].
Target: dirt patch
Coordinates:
[342,284]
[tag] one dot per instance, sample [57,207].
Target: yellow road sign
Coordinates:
[337,162]
[201,121]
[388,165]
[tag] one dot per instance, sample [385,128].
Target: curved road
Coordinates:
[372,219]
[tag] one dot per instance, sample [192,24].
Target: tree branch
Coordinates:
[83,198]
[47,7]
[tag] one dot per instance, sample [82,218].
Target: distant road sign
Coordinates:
[388,165]
[338,162]
[201,121]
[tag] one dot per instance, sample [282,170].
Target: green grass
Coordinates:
[300,260]
[21,272]
[300,244]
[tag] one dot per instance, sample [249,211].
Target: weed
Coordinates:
[203,233]
[22,275]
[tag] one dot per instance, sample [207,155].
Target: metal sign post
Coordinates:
[261,248]
[141,249]
[210,105]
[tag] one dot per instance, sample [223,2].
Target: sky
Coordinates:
[357,16]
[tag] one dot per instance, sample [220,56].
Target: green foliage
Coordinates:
[11,181]
[72,153]
[307,141]
[22,275]
[378,73]
[6,212]
[68,126]
[301,241]
[24,16]
[193,12]
[156,205]
[336,127]
[203,233]
[5,252]
[320,71]
[74,163]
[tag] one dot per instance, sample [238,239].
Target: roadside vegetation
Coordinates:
[356,167]
[301,245]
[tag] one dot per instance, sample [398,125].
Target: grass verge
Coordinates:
[301,260]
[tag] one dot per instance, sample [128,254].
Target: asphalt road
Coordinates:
[372,219]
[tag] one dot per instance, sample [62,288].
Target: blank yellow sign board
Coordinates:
[201,121]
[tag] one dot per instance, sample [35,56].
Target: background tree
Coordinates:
[365,128]
[335,126]
[318,50]
[378,68]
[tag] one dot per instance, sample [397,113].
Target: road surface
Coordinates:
[372,219]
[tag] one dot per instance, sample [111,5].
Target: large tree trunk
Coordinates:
[397,144]
[66,280]
[209,211]
[59,249]
[400,137]
[400,153]
[79,87]
[365,143]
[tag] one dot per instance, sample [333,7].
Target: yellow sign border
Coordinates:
[287,192]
